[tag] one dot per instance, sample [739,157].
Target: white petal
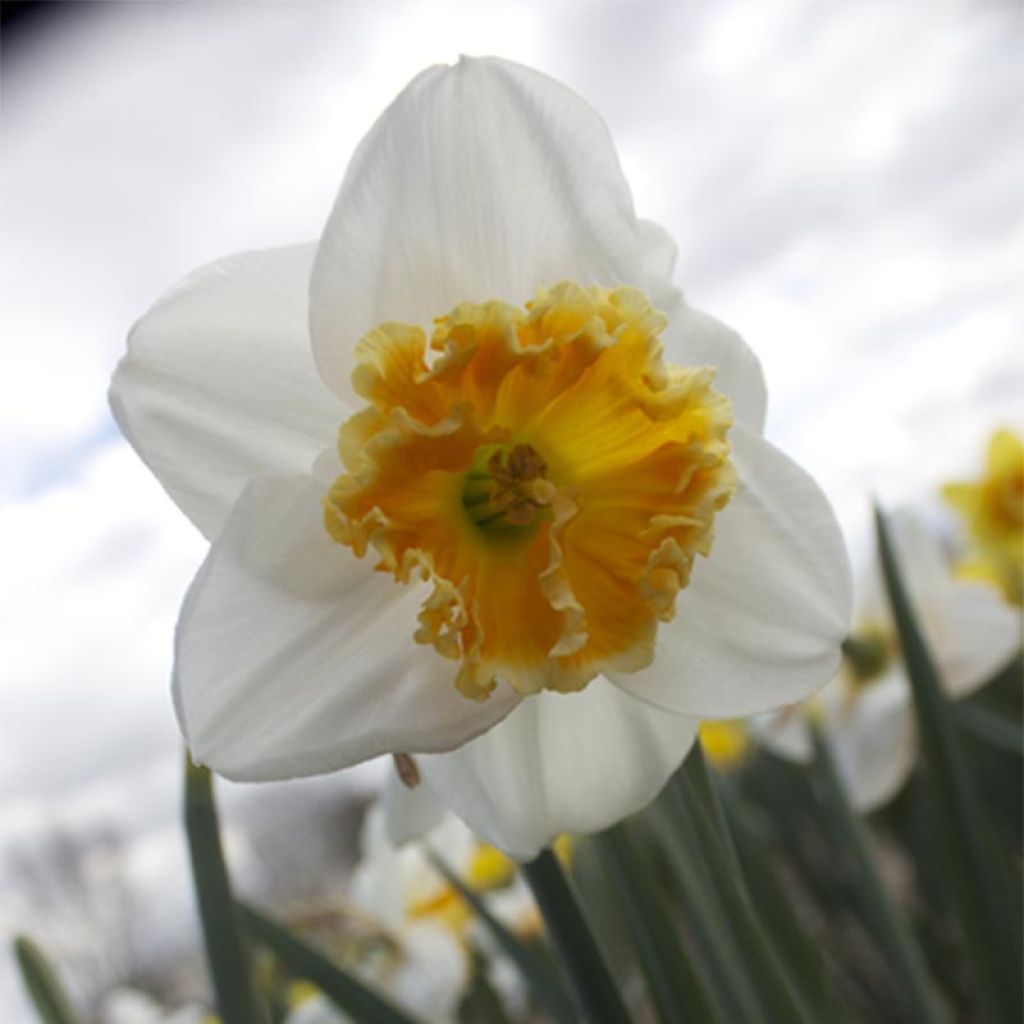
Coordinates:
[761,622]
[785,733]
[390,881]
[433,972]
[317,1010]
[409,813]
[294,657]
[873,740]
[218,384]
[924,566]
[427,979]
[971,631]
[659,252]
[561,763]
[693,338]
[482,180]
[977,636]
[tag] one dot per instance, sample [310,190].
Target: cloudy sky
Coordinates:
[844,182]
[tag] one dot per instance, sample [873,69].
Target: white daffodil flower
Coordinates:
[867,711]
[500,529]
[421,956]
[399,887]
[129,1006]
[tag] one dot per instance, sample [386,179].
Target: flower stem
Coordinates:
[598,995]
[41,983]
[987,902]
[677,989]
[715,846]
[226,952]
[885,918]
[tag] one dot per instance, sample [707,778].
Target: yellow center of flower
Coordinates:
[545,471]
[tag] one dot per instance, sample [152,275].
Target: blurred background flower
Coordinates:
[867,711]
[844,185]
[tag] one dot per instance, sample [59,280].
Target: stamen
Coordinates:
[506,489]
[408,770]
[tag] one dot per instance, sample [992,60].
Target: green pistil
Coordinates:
[501,491]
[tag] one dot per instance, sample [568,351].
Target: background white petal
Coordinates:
[761,622]
[974,633]
[294,657]
[971,631]
[391,881]
[871,732]
[574,762]
[427,980]
[218,384]
[409,813]
[482,180]
[785,733]
[432,974]
[873,739]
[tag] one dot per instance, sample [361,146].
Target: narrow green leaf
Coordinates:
[675,985]
[704,913]
[987,911]
[45,991]
[702,786]
[594,986]
[884,918]
[991,727]
[343,989]
[226,952]
[802,958]
[482,1004]
[782,999]
[544,983]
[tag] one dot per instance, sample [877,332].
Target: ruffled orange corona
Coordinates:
[546,471]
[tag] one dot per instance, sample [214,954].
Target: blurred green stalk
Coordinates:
[45,991]
[883,916]
[598,995]
[539,973]
[782,1000]
[226,952]
[988,906]
[676,987]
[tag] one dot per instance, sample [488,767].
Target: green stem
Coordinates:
[704,913]
[965,844]
[781,996]
[698,775]
[758,855]
[45,991]
[676,988]
[226,952]
[887,921]
[541,975]
[592,981]
[990,727]
[345,990]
